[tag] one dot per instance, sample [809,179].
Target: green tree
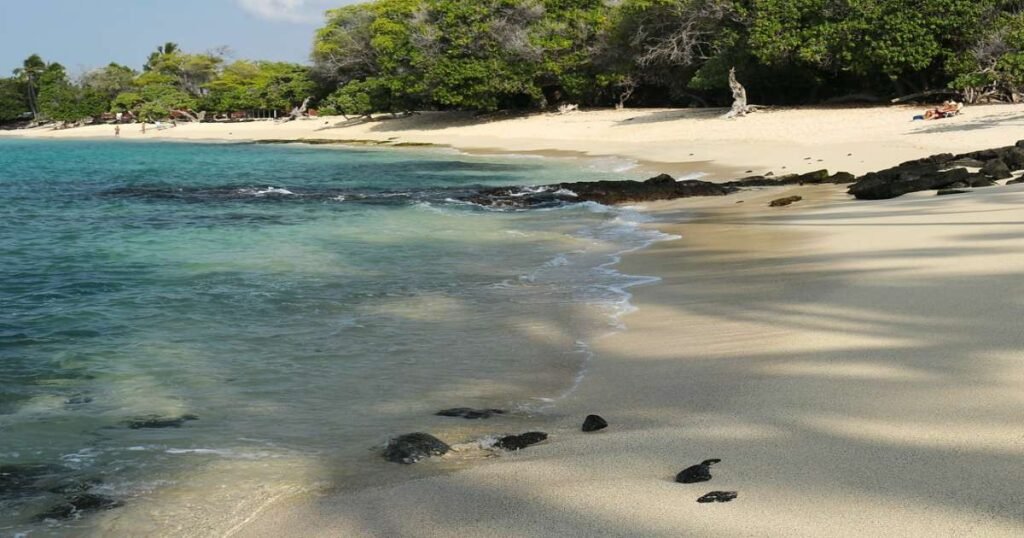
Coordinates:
[13,100]
[29,72]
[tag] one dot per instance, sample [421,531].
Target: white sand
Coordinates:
[858,366]
[856,140]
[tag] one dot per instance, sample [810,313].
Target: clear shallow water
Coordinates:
[305,303]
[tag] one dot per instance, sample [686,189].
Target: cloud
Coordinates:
[299,11]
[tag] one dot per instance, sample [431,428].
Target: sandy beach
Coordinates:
[855,140]
[856,365]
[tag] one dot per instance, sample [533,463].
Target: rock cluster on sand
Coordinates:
[943,171]
[413,447]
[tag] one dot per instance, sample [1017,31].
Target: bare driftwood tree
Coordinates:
[739,97]
[298,111]
[684,34]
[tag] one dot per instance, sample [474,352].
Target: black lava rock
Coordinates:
[519,442]
[413,447]
[947,192]
[696,473]
[904,179]
[467,413]
[593,423]
[72,506]
[996,169]
[718,497]
[156,421]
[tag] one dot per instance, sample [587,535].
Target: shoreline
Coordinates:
[795,364]
[677,141]
[765,342]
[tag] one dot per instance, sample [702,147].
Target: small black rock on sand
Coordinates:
[697,473]
[718,497]
[594,423]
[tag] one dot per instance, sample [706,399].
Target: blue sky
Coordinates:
[84,34]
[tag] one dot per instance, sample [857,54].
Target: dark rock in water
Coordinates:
[1015,181]
[899,181]
[782,202]
[593,423]
[718,497]
[697,473]
[519,442]
[78,399]
[72,506]
[413,447]
[946,192]
[156,421]
[465,412]
[996,169]
[662,187]
[19,478]
[813,178]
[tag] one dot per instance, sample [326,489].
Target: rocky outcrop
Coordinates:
[413,447]
[663,187]
[904,179]
[75,505]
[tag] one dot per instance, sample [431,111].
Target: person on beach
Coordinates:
[143,127]
[947,110]
[117,131]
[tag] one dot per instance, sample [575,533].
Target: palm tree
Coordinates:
[29,72]
[162,50]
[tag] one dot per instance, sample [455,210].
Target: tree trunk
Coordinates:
[739,97]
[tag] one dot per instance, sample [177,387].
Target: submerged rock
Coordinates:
[697,473]
[663,187]
[16,479]
[521,441]
[471,414]
[947,192]
[718,497]
[593,423]
[782,202]
[156,421]
[77,504]
[413,447]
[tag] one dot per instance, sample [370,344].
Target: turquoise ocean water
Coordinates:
[303,303]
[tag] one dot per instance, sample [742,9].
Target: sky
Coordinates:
[85,34]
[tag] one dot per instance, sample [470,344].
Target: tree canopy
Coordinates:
[486,55]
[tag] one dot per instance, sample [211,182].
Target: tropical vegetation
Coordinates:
[488,55]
